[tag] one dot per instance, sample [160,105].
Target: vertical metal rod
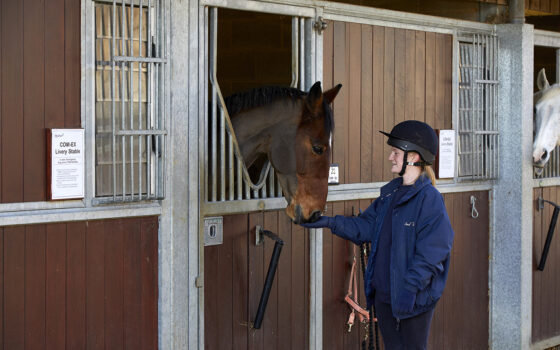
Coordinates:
[123,138]
[113,102]
[140,117]
[131,96]
[214,101]
[149,112]
[231,168]
[239,180]
[473,108]
[302,56]
[162,91]
[154,76]
[295,69]
[222,156]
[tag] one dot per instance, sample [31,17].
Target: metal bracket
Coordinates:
[319,24]
[213,230]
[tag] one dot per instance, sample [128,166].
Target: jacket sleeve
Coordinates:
[433,243]
[357,229]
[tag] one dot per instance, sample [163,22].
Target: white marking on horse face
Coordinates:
[547,125]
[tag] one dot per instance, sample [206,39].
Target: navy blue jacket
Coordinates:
[422,239]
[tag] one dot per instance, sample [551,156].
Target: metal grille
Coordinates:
[478,98]
[552,167]
[129,112]
[226,177]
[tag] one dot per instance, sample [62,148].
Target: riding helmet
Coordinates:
[417,136]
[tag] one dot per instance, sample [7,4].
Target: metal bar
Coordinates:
[140,122]
[272,267]
[549,235]
[302,56]
[231,168]
[213,66]
[149,115]
[295,69]
[113,145]
[140,59]
[222,156]
[123,140]
[131,96]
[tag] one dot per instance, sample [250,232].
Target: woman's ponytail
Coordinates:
[430,173]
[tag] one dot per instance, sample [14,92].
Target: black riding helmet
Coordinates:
[417,136]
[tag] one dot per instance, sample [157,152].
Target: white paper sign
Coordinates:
[446,154]
[67,163]
[333,174]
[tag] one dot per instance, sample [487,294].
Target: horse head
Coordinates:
[293,129]
[303,164]
[546,103]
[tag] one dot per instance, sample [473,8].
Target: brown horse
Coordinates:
[293,129]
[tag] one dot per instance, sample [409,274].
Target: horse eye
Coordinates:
[317,150]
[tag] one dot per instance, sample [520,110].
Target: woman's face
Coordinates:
[396,158]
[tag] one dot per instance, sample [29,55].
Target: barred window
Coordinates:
[129,93]
[478,107]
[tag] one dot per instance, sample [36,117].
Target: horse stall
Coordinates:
[389,72]
[546,250]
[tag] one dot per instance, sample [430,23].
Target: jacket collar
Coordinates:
[420,183]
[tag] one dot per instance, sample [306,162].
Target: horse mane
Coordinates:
[258,97]
[241,101]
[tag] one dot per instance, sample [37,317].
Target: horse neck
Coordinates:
[255,128]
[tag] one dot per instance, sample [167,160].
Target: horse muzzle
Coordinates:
[299,218]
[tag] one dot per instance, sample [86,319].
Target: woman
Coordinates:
[411,239]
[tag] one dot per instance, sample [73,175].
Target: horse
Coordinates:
[293,129]
[546,104]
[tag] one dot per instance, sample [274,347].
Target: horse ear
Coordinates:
[331,94]
[315,97]
[542,82]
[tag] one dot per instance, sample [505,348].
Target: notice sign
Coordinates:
[333,174]
[66,163]
[446,154]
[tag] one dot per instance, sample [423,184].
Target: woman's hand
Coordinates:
[324,221]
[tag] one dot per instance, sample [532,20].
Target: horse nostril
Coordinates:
[544,155]
[315,216]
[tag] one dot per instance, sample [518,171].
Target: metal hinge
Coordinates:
[320,24]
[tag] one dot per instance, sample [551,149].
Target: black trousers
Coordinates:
[408,334]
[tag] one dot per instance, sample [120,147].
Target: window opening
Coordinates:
[129,93]
[478,98]
[225,173]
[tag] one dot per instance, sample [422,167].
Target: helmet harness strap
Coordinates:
[406,162]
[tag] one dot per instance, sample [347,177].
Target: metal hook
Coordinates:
[474,212]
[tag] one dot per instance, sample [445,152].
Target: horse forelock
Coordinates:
[259,97]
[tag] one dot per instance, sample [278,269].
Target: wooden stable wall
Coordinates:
[546,283]
[39,88]
[461,317]
[80,285]
[388,75]
[234,275]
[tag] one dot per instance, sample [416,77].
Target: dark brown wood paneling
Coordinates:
[388,75]
[39,87]
[33,100]
[469,267]
[12,101]
[14,288]
[55,286]
[65,286]
[546,284]
[235,273]
[35,243]
[76,286]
